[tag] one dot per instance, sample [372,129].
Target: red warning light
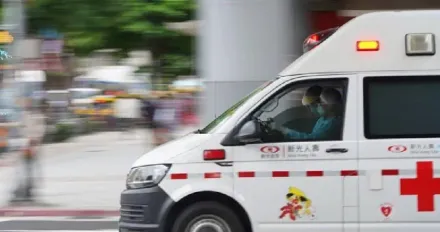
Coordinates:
[317,38]
[314,38]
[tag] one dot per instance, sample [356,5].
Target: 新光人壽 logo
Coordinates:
[397,148]
[270,149]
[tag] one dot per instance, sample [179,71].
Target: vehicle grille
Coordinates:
[133,213]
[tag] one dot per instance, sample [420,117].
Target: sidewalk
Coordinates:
[101,139]
[83,177]
[8,159]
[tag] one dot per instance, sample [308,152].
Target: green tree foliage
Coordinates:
[127,24]
[87,25]
[146,18]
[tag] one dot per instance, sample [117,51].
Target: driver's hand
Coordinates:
[274,125]
[278,127]
[283,129]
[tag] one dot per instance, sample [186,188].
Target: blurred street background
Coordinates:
[87,87]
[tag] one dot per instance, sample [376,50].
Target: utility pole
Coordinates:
[14,22]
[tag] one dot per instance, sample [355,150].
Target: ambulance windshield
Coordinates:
[229,112]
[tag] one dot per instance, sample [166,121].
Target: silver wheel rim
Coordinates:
[208,223]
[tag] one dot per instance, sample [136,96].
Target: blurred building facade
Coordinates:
[242,44]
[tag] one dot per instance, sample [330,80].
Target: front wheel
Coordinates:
[207,217]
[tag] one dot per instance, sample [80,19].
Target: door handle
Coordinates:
[336,150]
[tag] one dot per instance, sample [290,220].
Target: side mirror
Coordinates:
[249,133]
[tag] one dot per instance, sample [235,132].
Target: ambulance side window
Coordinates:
[296,117]
[402,107]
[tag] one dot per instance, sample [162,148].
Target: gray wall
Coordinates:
[244,43]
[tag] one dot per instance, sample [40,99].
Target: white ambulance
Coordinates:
[378,170]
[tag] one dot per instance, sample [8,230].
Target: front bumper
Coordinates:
[143,210]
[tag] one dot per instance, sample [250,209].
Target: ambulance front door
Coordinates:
[399,152]
[307,183]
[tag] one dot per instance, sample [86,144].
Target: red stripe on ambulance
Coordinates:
[284,173]
[314,173]
[280,174]
[246,174]
[211,175]
[390,172]
[349,173]
[179,176]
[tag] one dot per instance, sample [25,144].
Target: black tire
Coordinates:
[208,210]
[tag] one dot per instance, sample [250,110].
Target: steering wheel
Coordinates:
[270,134]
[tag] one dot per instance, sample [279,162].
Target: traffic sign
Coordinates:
[6,37]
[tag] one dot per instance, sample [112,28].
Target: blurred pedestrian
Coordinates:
[165,119]
[148,107]
[188,114]
[33,130]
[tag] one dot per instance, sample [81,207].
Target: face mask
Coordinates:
[314,110]
[320,110]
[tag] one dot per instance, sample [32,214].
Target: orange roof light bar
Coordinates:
[367,45]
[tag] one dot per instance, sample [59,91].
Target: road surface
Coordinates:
[87,173]
[60,224]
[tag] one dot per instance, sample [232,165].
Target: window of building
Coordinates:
[402,107]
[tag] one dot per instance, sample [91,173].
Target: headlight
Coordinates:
[146,176]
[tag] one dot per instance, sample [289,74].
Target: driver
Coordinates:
[311,98]
[329,124]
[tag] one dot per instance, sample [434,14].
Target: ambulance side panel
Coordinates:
[399,151]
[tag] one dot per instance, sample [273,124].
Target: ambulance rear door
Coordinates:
[399,151]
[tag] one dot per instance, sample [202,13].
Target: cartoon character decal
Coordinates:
[298,205]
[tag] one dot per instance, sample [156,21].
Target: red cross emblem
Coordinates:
[425,186]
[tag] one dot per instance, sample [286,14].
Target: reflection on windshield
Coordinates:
[222,118]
